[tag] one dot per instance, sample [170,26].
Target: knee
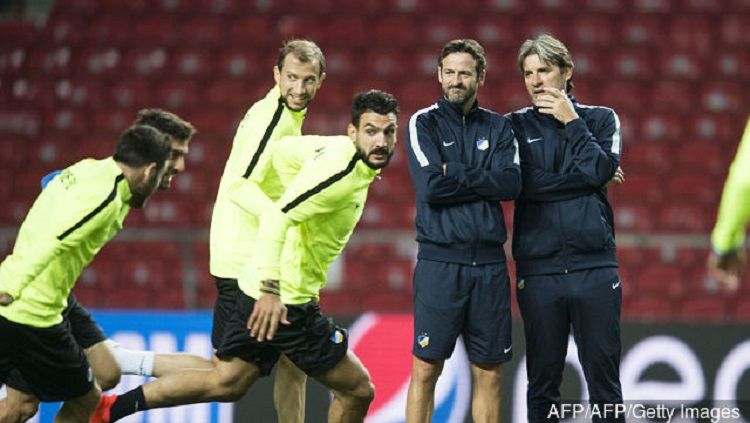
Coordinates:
[109,378]
[232,386]
[28,409]
[426,372]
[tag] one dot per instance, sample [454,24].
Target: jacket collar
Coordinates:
[551,118]
[455,113]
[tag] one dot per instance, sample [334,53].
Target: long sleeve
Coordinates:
[502,181]
[734,210]
[595,155]
[540,185]
[426,168]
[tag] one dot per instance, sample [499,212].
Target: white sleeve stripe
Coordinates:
[616,137]
[516,157]
[413,138]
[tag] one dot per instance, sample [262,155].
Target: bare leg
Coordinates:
[420,401]
[104,365]
[79,410]
[485,399]
[352,390]
[18,407]
[228,381]
[165,364]
[289,387]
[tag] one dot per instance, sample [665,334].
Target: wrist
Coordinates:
[270,286]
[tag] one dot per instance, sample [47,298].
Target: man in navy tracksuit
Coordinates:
[463,160]
[563,237]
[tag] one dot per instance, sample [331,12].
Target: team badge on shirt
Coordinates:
[521,284]
[483,144]
[423,340]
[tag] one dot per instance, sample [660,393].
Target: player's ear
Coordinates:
[351,130]
[276,74]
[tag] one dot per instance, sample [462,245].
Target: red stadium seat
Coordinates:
[730,64]
[684,217]
[297,26]
[660,281]
[594,30]
[632,63]
[649,157]
[99,62]
[652,6]
[178,95]
[589,63]
[250,27]
[108,30]
[439,29]
[660,127]
[742,310]
[495,31]
[640,188]
[345,31]
[192,62]
[705,309]
[243,63]
[667,95]
[132,93]
[702,157]
[641,29]
[343,62]
[716,127]
[625,96]
[146,61]
[678,64]
[693,187]
[691,32]
[16,33]
[159,30]
[647,309]
[733,30]
[549,24]
[202,31]
[396,31]
[53,61]
[722,96]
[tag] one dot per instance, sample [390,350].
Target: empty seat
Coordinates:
[495,31]
[693,187]
[191,62]
[670,95]
[16,33]
[733,29]
[660,281]
[722,96]
[647,309]
[146,61]
[108,30]
[731,64]
[691,32]
[657,127]
[396,31]
[155,30]
[704,309]
[641,188]
[641,29]
[594,30]
[439,29]
[202,30]
[652,6]
[702,156]
[684,217]
[685,64]
[632,63]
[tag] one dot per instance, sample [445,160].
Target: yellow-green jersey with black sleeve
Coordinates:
[734,212]
[232,231]
[70,221]
[324,184]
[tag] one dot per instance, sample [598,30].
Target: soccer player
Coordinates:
[80,210]
[563,237]
[727,261]
[463,160]
[108,360]
[311,197]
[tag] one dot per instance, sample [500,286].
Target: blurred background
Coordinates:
[73,73]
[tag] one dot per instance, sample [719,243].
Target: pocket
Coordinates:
[587,228]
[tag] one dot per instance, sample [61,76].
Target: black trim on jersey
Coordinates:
[321,186]
[264,140]
[99,208]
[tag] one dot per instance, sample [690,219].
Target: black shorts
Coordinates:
[49,359]
[226,301]
[312,341]
[452,299]
[85,330]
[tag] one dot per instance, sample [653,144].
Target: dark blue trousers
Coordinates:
[587,301]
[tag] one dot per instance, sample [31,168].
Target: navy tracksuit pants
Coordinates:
[588,301]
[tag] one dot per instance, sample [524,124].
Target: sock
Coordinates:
[128,403]
[133,362]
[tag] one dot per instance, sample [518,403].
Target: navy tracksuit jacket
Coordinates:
[564,248]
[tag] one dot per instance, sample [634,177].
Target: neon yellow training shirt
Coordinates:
[232,231]
[316,189]
[70,221]
[734,211]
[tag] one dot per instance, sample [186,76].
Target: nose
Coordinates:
[536,79]
[179,165]
[298,87]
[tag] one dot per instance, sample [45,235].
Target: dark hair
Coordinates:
[305,50]
[373,101]
[166,122]
[465,46]
[550,51]
[140,145]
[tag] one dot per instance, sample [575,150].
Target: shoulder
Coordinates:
[424,113]
[596,113]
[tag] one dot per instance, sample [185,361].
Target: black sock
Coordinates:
[128,403]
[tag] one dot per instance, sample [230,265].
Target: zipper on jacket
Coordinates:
[463,153]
